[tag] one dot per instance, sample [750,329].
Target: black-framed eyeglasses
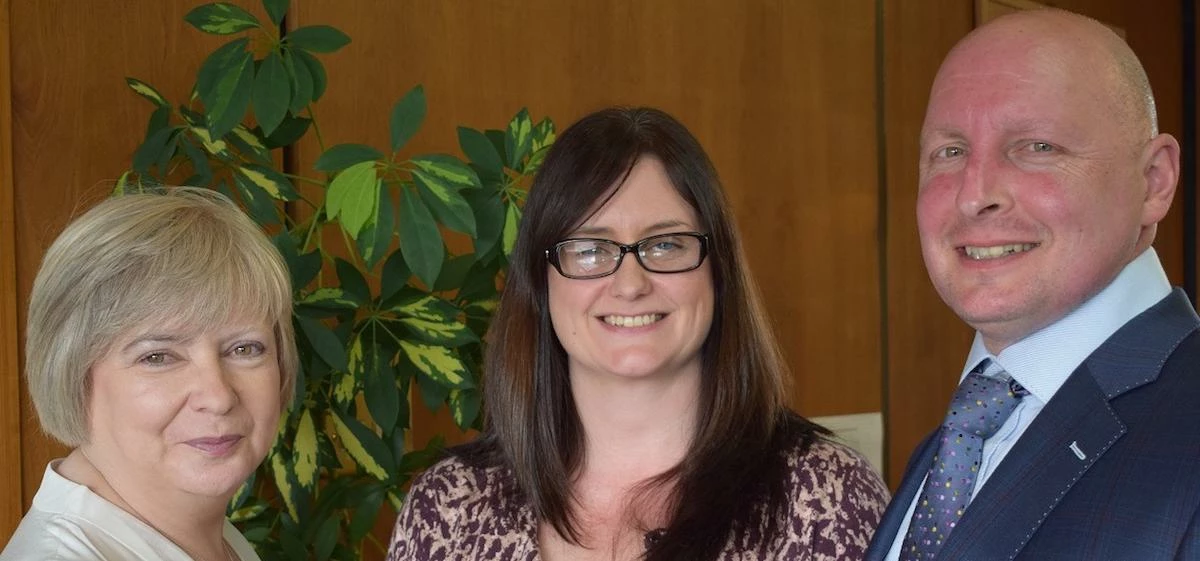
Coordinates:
[592,258]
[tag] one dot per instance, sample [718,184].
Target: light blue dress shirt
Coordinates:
[1043,361]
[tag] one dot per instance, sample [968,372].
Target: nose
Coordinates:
[630,280]
[981,192]
[212,391]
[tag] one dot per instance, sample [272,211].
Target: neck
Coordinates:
[195,524]
[636,428]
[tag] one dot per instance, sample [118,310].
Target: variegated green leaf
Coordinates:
[345,388]
[377,237]
[216,147]
[272,182]
[260,206]
[123,186]
[283,482]
[147,91]
[397,501]
[445,171]
[243,492]
[364,446]
[220,18]
[464,407]
[247,512]
[426,307]
[305,451]
[354,356]
[224,83]
[440,332]
[439,363]
[250,144]
[448,205]
[483,308]
[512,220]
[518,138]
[353,196]
[543,134]
[330,297]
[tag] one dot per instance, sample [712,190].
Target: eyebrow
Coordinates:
[170,338]
[155,338]
[656,227]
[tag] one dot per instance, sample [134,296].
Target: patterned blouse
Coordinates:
[457,512]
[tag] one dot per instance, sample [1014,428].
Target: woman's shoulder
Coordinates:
[75,526]
[826,466]
[458,491]
[834,476]
[458,509]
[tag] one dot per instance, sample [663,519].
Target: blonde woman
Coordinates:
[159,346]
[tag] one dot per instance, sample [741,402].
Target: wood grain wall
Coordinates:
[10,387]
[74,127]
[790,130]
[810,110]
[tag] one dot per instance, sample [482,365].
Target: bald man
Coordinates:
[1075,432]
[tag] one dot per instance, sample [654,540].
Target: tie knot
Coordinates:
[981,405]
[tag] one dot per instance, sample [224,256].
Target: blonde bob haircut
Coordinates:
[179,256]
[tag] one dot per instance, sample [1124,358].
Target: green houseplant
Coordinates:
[383,305]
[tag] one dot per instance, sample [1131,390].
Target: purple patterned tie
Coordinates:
[979,407]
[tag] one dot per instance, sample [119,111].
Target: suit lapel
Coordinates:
[1037,472]
[1072,432]
[910,485]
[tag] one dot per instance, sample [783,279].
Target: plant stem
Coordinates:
[316,127]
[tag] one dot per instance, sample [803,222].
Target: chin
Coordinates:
[215,481]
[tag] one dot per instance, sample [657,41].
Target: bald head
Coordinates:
[1074,45]
[1041,174]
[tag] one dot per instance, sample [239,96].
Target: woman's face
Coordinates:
[634,323]
[189,412]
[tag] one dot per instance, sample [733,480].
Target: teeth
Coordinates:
[979,253]
[632,321]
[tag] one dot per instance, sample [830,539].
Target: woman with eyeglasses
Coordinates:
[634,393]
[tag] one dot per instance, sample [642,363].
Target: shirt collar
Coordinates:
[1042,361]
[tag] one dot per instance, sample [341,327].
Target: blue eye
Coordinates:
[665,246]
[1041,147]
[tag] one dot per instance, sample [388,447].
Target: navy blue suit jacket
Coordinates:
[1133,410]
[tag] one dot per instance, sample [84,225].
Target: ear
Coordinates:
[1160,171]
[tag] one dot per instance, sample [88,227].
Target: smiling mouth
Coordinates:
[992,252]
[215,445]
[633,321]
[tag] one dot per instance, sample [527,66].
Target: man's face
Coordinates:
[1031,195]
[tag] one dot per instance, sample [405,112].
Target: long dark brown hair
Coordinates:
[732,476]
